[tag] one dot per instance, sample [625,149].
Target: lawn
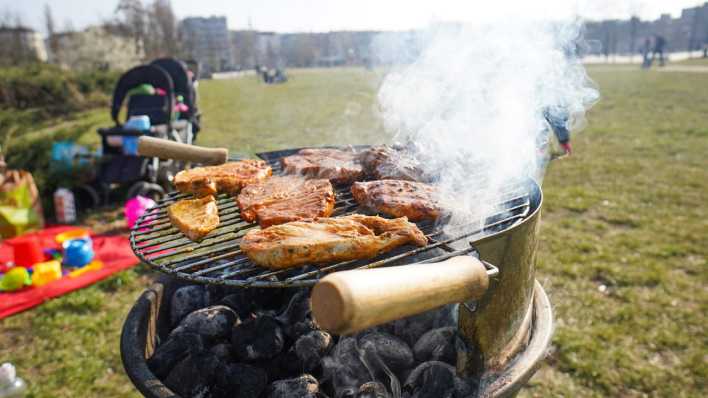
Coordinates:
[623,238]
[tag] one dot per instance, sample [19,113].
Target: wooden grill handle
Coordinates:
[166,149]
[350,301]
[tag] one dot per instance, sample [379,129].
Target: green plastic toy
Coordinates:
[15,279]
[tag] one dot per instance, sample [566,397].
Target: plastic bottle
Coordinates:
[64,206]
[11,386]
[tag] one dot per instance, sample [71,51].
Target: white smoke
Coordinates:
[473,103]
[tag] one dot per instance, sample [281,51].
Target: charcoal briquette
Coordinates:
[172,351]
[259,338]
[373,389]
[185,300]
[213,322]
[437,345]
[393,351]
[310,348]
[305,386]
[239,380]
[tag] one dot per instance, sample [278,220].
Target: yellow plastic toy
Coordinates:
[15,279]
[92,266]
[46,272]
[77,233]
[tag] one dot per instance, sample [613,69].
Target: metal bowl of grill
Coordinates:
[510,324]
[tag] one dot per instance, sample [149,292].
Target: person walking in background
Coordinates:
[659,47]
[646,50]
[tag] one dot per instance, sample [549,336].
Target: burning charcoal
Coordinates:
[194,375]
[435,379]
[222,351]
[185,300]
[437,345]
[213,322]
[304,386]
[394,352]
[373,389]
[311,347]
[239,380]
[168,354]
[259,338]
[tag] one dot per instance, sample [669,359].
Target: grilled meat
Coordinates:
[326,240]
[397,198]
[228,177]
[386,163]
[194,217]
[340,167]
[279,200]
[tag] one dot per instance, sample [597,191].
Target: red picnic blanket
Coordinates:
[113,251]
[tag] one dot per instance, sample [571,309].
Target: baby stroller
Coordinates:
[162,92]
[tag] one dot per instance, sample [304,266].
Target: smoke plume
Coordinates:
[473,104]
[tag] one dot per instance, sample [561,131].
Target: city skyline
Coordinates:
[322,15]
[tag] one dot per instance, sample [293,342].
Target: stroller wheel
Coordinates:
[147,189]
[86,197]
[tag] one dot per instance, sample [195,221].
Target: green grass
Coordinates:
[623,238]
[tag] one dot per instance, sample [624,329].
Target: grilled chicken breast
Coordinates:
[279,200]
[386,163]
[398,198]
[194,217]
[326,240]
[228,177]
[340,167]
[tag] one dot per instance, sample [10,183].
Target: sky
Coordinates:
[326,15]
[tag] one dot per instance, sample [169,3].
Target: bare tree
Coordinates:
[162,24]
[132,15]
[51,34]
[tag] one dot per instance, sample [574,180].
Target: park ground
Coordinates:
[622,251]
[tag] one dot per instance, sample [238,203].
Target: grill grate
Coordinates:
[217,259]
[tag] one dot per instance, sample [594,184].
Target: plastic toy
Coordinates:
[27,251]
[46,272]
[15,279]
[78,252]
[136,207]
[77,233]
[93,266]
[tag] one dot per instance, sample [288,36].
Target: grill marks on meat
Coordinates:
[386,163]
[229,177]
[194,217]
[397,198]
[326,240]
[338,166]
[278,200]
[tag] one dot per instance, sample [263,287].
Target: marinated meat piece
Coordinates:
[338,166]
[386,163]
[228,177]
[326,240]
[279,200]
[397,198]
[194,217]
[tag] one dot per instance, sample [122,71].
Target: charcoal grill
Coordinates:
[509,326]
[217,259]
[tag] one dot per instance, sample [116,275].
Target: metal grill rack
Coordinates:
[218,259]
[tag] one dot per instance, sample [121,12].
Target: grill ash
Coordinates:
[473,104]
[247,343]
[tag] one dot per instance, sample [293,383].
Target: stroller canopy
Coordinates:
[180,78]
[144,74]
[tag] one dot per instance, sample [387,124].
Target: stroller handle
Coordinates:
[166,149]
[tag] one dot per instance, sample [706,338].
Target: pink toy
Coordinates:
[136,207]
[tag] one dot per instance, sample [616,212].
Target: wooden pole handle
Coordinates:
[166,149]
[349,301]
